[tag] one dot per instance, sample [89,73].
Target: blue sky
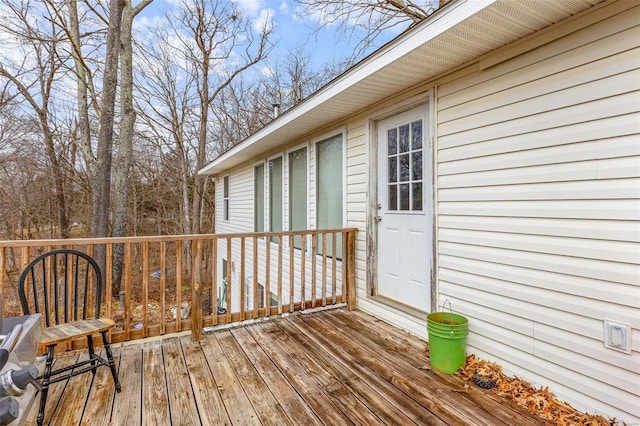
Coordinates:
[291,30]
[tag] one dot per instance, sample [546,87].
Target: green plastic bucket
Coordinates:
[447,341]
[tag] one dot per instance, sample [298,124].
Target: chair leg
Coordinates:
[112,365]
[92,354]
[45,384]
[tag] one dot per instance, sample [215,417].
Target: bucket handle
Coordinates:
[451,311]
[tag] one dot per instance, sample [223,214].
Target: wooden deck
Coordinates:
[333,367]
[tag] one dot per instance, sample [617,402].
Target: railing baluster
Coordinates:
[279,275]
[267,278]
[145,286]
[196,293]
[312,256]
[127,291]
[292,275]
[108,280]
[324,269]
[303,272]
[334,257]
[229,281]
[214,281]
[178,286]
[242,279]
[163,283]
[255,278]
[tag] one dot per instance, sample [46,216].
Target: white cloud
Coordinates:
[251,8]
[264,20]
[266,71]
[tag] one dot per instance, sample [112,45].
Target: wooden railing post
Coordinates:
[351,270]
[196,293]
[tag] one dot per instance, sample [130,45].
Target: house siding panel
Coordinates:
[539,210]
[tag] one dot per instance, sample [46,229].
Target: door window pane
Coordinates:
[416,194]
[404,196]
[404,167]
[393,169]
[392,141]
[404,138]
[329,189]
[416,165]
[416,135]
[393,197]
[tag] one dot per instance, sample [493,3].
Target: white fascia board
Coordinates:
[441,21]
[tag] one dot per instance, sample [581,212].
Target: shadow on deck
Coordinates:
[332,367]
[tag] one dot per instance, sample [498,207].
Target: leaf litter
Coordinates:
[540,402]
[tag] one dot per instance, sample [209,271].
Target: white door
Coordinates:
[404,209]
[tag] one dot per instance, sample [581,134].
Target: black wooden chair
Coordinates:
[65,286]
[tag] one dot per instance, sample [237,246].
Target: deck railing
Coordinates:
[175,283]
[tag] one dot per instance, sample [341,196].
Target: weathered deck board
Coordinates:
[206,392]
[284,392]
[382,405]
[330,367]
[388,404]
[413,351]
[155,407]
[312,394]
[127,406]
[267,407]
[182,402]
[97,411]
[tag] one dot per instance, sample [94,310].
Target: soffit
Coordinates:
[458,33]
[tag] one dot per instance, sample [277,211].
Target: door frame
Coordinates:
[426,99]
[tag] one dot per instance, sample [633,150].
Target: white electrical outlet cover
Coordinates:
[617,336]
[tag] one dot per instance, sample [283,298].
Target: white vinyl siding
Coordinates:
[241,217]
[539,208]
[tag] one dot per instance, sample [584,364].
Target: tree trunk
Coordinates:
[125,143]
[81,90]
[102,180]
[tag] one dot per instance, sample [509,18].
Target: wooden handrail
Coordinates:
[268,273]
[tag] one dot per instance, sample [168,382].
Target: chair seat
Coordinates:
[73,330]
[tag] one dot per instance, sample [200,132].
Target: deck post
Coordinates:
[351,270]
[196,293]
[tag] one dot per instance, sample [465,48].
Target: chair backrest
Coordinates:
[63,285]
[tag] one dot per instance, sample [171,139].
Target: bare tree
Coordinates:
[32,69]
[167,100]
[292,79]
[125,140]
[368,20]
[189,69]
[218,31]
[102,180]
